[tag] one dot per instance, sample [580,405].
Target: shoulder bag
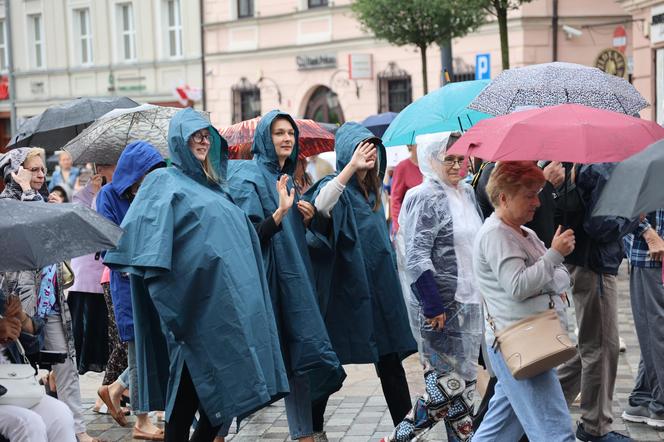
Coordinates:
[534,344]
[20,383]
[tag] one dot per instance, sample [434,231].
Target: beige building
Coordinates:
[70,48]
[648,52]
[311,58]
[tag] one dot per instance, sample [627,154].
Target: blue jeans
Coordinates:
[535,406]
[298,410]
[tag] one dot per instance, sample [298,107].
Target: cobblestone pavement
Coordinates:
[358,412]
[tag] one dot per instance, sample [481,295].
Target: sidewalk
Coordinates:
[358,412]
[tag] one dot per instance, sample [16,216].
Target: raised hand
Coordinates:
[364,157]
[563,242]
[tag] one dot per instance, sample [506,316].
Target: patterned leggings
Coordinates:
[117,351]
[448,397]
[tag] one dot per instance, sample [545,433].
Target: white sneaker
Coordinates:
[623,346]
[656,421]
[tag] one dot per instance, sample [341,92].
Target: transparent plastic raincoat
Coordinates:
[438,224]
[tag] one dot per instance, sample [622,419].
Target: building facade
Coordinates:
[648,52]
[63,49]
[312,59]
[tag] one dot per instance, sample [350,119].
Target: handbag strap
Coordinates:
[490,319]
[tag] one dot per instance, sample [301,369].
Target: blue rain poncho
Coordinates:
[438,224]
[197,280]
[355,267]
[305,343]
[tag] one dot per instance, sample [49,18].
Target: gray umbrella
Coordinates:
[550,84]
[58,124]
[33,235]
[104,140]
[636,185]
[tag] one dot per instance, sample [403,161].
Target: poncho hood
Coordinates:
[183,125]
[137,159]
[431,146]
[346,140]
[263,147]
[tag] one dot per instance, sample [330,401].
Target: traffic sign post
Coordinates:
[483,67]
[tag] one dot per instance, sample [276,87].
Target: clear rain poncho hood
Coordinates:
[198,288]
[427,242]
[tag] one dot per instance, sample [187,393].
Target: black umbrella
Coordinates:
[636,185]
[58,124]
[34,235]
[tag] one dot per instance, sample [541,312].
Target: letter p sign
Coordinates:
[483,67]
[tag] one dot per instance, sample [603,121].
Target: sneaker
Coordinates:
[320,436]
[623,346]
[656,421]
[639,414]
[611,436]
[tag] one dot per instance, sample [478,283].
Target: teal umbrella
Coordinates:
[445,109]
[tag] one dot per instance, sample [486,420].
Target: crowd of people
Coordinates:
[238,283]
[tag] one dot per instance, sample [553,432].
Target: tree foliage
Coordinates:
[499,8]
[419,22]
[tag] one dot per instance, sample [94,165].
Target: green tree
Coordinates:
[419,22]
[499,9]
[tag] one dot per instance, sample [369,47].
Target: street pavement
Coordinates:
[358,411]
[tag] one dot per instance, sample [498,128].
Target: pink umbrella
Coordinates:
[567,132]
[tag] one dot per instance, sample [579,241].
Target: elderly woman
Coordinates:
[519,277]
[41,291]
[439,220]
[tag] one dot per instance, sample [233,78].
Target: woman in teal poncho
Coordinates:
[355,267]
[262,187]
[197,281]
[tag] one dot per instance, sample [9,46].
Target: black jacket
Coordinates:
[599,244]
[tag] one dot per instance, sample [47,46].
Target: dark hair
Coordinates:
[372,184]
[63,193]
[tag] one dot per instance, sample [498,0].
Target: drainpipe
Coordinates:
[10,69]
[554,30]
[203,94]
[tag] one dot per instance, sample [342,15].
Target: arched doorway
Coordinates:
[323,106]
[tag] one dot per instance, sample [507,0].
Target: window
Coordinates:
[83,36]
[36,40]
[395,90]
[4,56]
[174,28]
[246,101]
[316,3]
[127,33]
[245,8]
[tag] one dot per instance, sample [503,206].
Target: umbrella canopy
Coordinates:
[378,123]
[313,138]
[555,83]
[58,124]
[443,110]
[567,132]
[636,185]
[33,235]
[104,140]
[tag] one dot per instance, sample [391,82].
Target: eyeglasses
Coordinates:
[198,137]
[451,161]
[37,170]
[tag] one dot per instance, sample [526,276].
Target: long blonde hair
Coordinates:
[208,169]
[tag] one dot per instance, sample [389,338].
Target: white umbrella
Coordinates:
[104,140]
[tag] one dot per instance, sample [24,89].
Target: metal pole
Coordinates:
[554,30]
[10,68]
[446,61]
[202,16]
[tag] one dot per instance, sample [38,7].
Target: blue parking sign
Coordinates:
[483,67]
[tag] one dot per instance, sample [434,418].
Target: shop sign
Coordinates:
[657,24]
[360,66]
[612,62]
[316,61]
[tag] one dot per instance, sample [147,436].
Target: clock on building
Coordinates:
[612,62]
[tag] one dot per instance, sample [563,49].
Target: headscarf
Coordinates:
[12,160]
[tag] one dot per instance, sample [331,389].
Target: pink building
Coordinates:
[648,53]
[311,58]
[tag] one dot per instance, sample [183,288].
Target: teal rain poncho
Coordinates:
[355,267]
[197,277]
[305,343]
